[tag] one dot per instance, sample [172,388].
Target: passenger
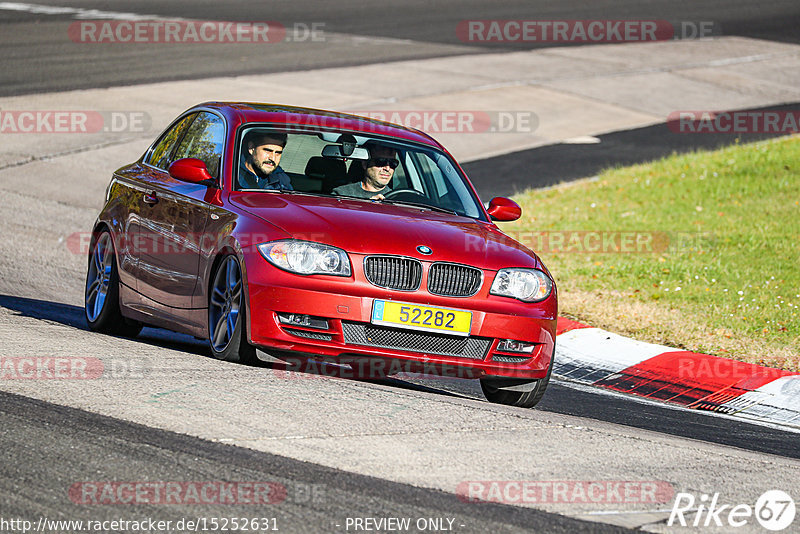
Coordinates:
[378,172]
[259,167]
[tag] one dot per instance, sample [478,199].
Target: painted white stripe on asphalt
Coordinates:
[78,13]
[36,8]
[582,140]
[96,14]
[593,347]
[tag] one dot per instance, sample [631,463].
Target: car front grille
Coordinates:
[393,272]
[453,280]
[369,335]
[405,274]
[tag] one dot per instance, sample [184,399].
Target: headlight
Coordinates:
[527,285]
[305,257]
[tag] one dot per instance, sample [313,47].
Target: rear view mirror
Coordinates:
[191,170]
[504,209]
[335,151]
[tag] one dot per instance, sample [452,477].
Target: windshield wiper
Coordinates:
[420,205]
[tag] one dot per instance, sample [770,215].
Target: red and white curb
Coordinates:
[698,381]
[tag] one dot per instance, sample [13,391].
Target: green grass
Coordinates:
[725,225]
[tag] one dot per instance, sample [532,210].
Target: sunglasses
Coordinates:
[383,162]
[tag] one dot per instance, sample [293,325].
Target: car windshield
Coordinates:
[352,165]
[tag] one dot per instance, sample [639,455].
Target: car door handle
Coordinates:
[150,198]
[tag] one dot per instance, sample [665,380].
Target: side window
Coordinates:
[203,140]
[159,157]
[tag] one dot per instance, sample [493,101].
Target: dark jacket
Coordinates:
[277,179]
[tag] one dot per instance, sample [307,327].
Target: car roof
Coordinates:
[246,112]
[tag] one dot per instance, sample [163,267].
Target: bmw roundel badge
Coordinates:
[422,249]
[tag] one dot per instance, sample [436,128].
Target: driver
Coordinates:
[378,172]
[259,167]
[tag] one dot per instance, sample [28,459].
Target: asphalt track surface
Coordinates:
[38,55]
[562,162]
[38,436]
[562,397]
[49,448]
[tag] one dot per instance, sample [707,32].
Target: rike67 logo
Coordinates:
[774,510]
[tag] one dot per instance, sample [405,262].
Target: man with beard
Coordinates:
[259,167]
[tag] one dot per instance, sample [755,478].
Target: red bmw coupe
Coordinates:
[321,235]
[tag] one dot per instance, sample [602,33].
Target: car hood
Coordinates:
[362,227]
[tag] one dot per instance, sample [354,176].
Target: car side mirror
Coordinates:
[504,209]
[191,170]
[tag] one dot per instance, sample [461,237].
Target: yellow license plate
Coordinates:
[416,317]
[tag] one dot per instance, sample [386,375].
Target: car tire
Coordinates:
[101,295]
[227,314]
[495,389]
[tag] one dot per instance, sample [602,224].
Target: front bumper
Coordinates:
[345,304]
